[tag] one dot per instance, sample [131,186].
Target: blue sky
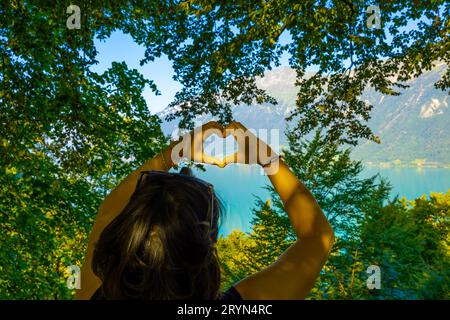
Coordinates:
[121,47]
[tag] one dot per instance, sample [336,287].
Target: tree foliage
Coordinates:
[222,46]
[334,180]
[412,249]
[67,135]
[408,240]
[218,49]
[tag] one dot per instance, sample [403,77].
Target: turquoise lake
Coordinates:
[238,186]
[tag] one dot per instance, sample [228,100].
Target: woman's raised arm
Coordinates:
[293,275]
[111,206]
[118,198]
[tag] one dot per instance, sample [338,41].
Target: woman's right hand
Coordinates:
[251,149]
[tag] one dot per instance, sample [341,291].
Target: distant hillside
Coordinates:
[414,125]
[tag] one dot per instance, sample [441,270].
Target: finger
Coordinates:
[211,128]
[221,164]
[210,131]
[232,130]
[236,125]
[236,129]
[239,134]
[231,125]
[212,124]
[232,158]
[198,132]
[214,161]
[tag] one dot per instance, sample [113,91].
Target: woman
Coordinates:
[155,232]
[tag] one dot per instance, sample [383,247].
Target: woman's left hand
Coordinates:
[191,145]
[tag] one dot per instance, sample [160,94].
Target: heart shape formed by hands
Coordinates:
[205,132]
[248,145]
[221,149]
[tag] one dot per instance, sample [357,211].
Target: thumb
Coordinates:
[214,161]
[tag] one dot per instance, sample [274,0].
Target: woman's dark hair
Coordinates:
[161,246]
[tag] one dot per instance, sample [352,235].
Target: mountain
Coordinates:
[414,126]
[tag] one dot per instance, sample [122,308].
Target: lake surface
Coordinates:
[238,185]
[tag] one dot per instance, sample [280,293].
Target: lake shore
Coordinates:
[237,186]
[393,164]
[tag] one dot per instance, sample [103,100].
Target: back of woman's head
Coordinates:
[161,246]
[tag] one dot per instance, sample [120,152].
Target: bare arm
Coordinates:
[109,209]
[293,275]
[116,201]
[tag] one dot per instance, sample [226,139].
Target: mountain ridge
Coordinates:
[413,127]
